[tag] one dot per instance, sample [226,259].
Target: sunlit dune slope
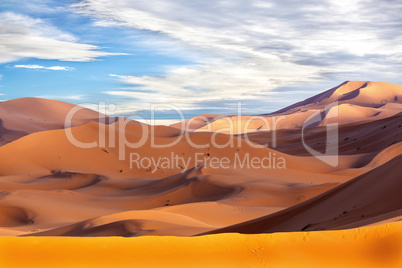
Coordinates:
[350,102]
[359,93]
[379,246]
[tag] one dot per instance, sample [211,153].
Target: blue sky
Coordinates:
[201,56]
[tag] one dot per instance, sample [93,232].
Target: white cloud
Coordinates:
[255,28]
[188,85]
[40,6]
[54,97]
[253,47]
[54,68]
[60,68]
[25,37]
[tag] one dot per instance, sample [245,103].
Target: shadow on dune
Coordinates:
[369,198]
[12,216]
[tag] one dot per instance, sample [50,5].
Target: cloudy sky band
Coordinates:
[193,54]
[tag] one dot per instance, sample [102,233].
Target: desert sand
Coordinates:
[120,185]
[378,246]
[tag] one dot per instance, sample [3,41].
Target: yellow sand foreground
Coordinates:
[377,246]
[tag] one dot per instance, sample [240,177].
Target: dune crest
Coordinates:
[350,102]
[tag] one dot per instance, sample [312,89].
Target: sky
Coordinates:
[197,56]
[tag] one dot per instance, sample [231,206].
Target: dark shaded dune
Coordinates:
[187,187]
[356,138]
[73,180]
[7,135]
[12,216]
[353,94]
[125,228]
[369,198]
[182,188]
[60,180]
[64,197]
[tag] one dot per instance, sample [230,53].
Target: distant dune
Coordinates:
[28,115]
[350,102]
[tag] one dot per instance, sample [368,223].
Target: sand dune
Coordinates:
[107,186]
[369,198]
[196,122]
[28,115]
[51,151]
[378,135]
[362,93]
[108,177]
[352,101]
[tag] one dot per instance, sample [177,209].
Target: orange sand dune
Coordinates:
[50,186]
[80,197]
[49,151]
[378,246]
[27,115]
[23,116]
[196,122]
[361,93]
[44,169]
[225,199]
[354,138]
[369,198]
[352,101]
